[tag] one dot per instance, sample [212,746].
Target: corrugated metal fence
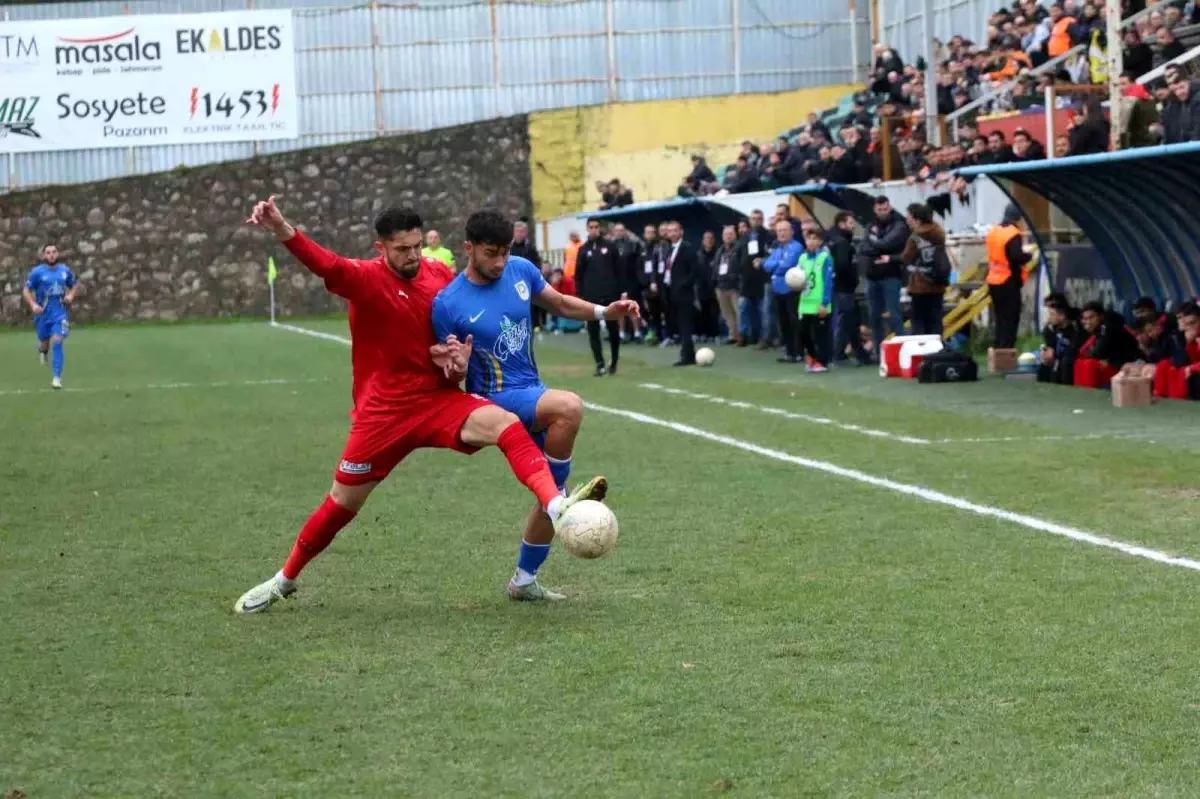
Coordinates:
[904,25]
[372,68]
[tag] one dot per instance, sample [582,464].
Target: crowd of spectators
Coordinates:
[1003,71]
[732,287]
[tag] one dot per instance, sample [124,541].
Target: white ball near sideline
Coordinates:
[705,356]
[588,529]
[796,278]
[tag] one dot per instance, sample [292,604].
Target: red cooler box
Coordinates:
[901,356]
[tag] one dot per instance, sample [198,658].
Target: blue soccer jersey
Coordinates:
[49,284]
[498,316]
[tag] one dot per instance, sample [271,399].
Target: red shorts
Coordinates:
[379,441]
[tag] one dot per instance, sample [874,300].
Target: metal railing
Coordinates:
[1048,67]
[1187,60]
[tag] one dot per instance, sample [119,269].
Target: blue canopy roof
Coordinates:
[696,214]
[839,195]
[1138,207]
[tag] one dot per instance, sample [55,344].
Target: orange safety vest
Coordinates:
[570,257]
[999,269]
[1060,37]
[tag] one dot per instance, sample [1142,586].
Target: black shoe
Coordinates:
[612,370]
[786,359]
[684,363]
[600,370]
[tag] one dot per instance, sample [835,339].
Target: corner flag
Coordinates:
[272,272]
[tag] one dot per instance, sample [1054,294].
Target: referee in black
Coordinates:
[599,279]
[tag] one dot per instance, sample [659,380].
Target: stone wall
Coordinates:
[175,245]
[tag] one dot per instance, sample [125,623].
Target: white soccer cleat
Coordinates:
[533,592]
[42,358]
[263,596]
[56,382]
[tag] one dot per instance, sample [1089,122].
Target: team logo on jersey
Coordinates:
[513,336]
[522,290]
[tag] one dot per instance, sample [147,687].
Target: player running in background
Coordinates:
[405,386]
[49,289]
[490,302]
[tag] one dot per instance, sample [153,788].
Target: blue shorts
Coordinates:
[523,402]
[46,328]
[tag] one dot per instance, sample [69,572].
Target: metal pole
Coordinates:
[1050,121]
[377,78]
[1116,65]
[933,132]
[495,59]
[737,46]
[853,43]
[610,50]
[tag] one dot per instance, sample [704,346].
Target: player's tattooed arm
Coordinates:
[570,307]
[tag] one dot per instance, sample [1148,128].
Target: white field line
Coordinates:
[314,333]
[803,417]
[164,386]
[852,428]
[926,494]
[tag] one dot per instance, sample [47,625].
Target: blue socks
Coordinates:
[529,560]
[560,470]
[532,556]
[56,358]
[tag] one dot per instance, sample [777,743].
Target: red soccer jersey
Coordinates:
[391,329]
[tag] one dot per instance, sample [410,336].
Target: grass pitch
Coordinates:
[764,629]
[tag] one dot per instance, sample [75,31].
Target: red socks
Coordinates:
[528,463]
[316,534]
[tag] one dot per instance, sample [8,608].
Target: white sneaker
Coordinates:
[56,382]
[42,358]
[263,596]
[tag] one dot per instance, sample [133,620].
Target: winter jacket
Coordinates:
[781,259]
[1135,114]
[598,272]
[921,247]
[845,271]
[1063,340]
[727,267]
[754,245]
[1089,137]
[818,292]
[629,264]
[1181,120]
[706,284]
[1112,342]
[526,250]
[884,239]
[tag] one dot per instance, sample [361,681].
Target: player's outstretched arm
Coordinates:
[570,307]
[339,273]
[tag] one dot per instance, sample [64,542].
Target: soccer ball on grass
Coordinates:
[588,529]
[705,356]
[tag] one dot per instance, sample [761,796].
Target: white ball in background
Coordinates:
[796,278]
